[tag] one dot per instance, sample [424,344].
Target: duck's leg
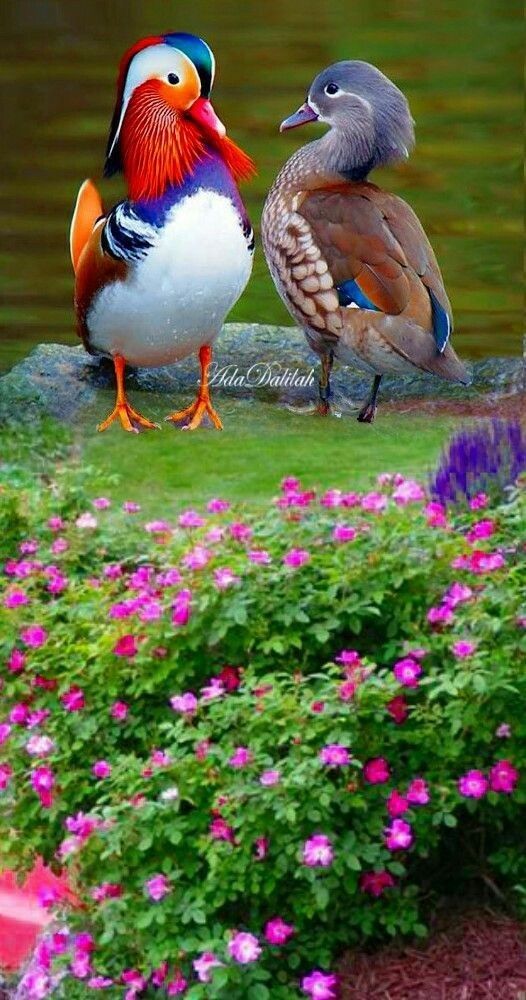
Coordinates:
[324,385]
[123,409]
[196,411]
[368,411]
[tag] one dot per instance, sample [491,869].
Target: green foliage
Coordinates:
[282,629]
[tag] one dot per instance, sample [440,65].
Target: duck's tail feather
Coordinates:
[88,209]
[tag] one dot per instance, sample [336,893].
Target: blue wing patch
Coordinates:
[441,323]
[350,293]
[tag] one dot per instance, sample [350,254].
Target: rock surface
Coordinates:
[251,361]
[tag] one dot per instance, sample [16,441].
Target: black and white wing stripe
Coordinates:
[126,236]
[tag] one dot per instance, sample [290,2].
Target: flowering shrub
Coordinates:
[485,458]
[252,740]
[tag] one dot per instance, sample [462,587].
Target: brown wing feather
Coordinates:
[95,269]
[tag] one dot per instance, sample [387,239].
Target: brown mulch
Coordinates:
[477,956]
[506,407]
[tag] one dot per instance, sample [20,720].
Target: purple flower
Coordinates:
[473,784]
[334,755]
[319,985]
[157,527]
[130,507]
[224,577]
[157,887]
[463,649]
[217,506]
[15,599]
[244,947]
[191,519]
[503,732]
[101,503]
[260,557]
[318,852]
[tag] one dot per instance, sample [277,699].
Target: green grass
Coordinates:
[260,444]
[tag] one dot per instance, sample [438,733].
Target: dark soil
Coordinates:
[476,956]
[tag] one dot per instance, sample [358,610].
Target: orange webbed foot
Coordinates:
[124,412]
[202,406]
[195,414]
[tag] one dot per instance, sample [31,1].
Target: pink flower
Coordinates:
[376,771]
[334,755]
[397,804]
[73,699]
[398,709]
[332,498]
[157,527]
[436,515]
[160,758]
[408,492]
[157,887]
[6,773]
[5,731]
[220,830]
[375,883]
[16,661]
[407,671]
[47,897]
[185,703]
[481,529]
[177,985]
[398,835]
[86,520]
[296,558]
[241,757]
[350,659]
[55,523]
[106,890]
[130,507]
[244,947]
[15,599]
[463,649]
[119,710]
[43,781]
[126,646]
[59,545]
[318,852]
[18,714]
[240,532]
[101,769]
[479,501]
[319,986]
[473,784]
[458,593]
[375,502]
[216,506]
[261,847]
[28,547]
[224,577]
[259,556]
[503,732]
[34,636]
[269,778]
[277,931]
[99,982]
[503,777]
[190,519]
[215,689]
[344,533]
[204,965]
[290,483]
[181,608]
[197,558]
[418,793]
[440,616]
[133,978]
[101,503]
[39,746]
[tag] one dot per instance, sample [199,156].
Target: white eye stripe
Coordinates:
[156,61]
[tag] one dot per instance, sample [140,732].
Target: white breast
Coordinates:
[176,298]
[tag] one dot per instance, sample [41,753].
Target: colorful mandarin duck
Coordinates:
[352,262]
[156,276]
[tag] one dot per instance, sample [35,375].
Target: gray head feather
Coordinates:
[370,120]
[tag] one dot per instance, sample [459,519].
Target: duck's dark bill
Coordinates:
[302,116]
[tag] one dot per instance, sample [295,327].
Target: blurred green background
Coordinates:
[459,63]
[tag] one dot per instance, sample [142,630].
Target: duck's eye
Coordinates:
[173,78]
[331,89]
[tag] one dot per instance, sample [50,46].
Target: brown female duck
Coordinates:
[352,262]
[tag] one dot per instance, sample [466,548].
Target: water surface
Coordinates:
[459,63]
